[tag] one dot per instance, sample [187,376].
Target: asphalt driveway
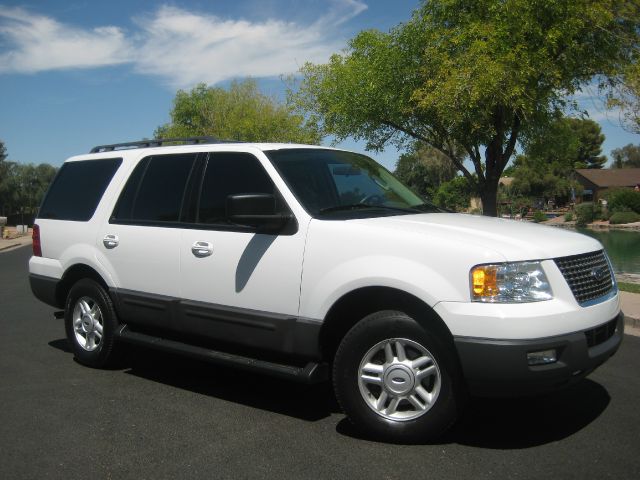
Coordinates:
[161,416]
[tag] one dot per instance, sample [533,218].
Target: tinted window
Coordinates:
[155,189]
[230,174]
[78,188]
[330,182]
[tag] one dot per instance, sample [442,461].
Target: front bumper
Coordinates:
[500,367]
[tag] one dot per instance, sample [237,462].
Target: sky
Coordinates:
[74,74]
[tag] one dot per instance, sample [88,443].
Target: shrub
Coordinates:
[568,217]
[584,213]
[600,213]
[539,216]
[624,200]
[624,217]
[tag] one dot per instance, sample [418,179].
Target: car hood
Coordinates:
[514,240]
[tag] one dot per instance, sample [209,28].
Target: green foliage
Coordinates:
[540,178]
[623,199]
[626,157]
[584,214]
[568,217]
[589,139]
[625,94]
[5,169]
[539,216]
[551,155]
[239,113]
[454,195]
[599,213]
[22,187]
[629,287]
[424,169]
[624,217]
[478,74]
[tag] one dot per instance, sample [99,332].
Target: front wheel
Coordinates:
[394,380]
[90,323]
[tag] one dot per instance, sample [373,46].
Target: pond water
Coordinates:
[622,246]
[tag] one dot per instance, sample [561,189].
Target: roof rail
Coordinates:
[156,142]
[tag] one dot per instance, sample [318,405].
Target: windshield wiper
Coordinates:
[429,208]
[359,206]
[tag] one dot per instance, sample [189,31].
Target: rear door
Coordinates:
[141,240]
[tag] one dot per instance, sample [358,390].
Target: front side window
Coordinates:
[155,190]
[77,189]
[229,173]
[330,182]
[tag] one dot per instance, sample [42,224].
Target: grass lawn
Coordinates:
[629,287]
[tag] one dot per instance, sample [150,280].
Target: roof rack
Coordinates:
[156,142]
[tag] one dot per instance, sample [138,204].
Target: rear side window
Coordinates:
[77,189]
[155,190]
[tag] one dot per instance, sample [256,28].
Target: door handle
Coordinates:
[202,249]
[110,241]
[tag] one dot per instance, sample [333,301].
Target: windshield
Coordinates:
[331,181]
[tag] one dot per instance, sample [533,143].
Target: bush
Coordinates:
[584,213]
[599,213]
[539,216]
[624,200]
[624,217]
[568,217]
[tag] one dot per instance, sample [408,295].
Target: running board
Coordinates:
[310,373]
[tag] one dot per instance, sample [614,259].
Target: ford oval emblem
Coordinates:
[599,273]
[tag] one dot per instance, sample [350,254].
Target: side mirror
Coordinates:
[256,210]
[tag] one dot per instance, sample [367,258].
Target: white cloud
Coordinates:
[40,43]
[177,45]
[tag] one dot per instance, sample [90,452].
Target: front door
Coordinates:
[238,285]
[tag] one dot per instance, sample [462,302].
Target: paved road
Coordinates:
[161,416]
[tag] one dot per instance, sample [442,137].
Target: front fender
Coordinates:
[319,293]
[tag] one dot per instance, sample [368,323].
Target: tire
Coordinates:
[90,324]
[396,381]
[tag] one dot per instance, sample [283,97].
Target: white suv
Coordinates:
[308,263]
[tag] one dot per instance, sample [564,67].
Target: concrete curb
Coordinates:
[631,322]
[15,243]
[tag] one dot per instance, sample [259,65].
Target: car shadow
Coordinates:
[305,402]
[514,423]
[517,423]
[61,344]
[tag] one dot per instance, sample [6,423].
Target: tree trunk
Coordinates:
[489,188]
[490,200]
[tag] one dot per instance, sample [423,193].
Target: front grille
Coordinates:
[601,334]
[588,275]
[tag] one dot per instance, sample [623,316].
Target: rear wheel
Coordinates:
[90,323]
[394,380]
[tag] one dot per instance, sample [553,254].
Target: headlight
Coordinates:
[510,283]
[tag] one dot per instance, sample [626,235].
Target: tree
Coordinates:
[454,195]
[571,142]
[23,186]
[625,95]
[552,153]
[536,177]
[5,168]
[424,168]
[589,138]
[626,157]
[478,74]
[239,113]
